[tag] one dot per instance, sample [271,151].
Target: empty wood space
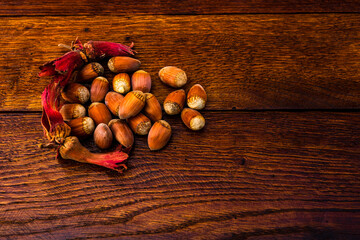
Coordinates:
[277,159]
[147,7]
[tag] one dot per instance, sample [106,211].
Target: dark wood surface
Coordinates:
[301,61]
[246,174]
[128,7]
[279,155]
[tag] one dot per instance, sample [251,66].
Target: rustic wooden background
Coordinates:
[279,157]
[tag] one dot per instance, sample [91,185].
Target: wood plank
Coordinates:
[243,61]
[247,174]
[128,7]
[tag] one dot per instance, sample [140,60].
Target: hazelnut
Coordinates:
[140,124]
[112,101]
[122,132]
[141,81]
[159,135]
[103,136]
[131,105]
[121,83]
[123,64]
[71,111]
[174,102]
[90,71]
[99,113]
[192,119]
[75,93]
[152,107]
[81,127]
[99,88]
[173,76]
[196,97]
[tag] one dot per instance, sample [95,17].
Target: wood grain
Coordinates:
[128,7]
[243,61]
[246,175]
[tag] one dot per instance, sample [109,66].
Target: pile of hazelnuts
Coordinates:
[129,108]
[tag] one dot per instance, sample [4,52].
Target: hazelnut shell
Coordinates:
[159,135]
[90,71]
[99,88]
[122,132]
[81,127]
[139,124]
[75,93]
[131,105]
[72,111]
[103,136]
[152,107]
[173,76]
[174,102]
[196,97]
[141,81]
[192,119]
[99,113]
[123,64]
[112,101]
[121,83]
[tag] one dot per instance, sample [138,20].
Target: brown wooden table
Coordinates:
[279,157]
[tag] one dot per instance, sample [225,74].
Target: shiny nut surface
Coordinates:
[72,111]
[174,102]
[173,76]
[82,127]
[75,93]
[192,119]
[112,101]
[121,83]
[141,81]
[103,136]
[99,113]
[123,64]
[196,97]
[99,88]
[139,124]
[90,71]
[152,107]
[122,132]
[131,105]
[159,135]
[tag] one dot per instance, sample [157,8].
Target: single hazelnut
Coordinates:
[174,102]
[152,107]
[121,83]
[99,88]
[90,71]
[173,76]
[71,111]
[122,132]
[196,97]
[103,136]
[112,101]
[192,119]
[141,81]
[140,124]
[159,135]
[123,64]
[81,127]
[131,105]
[75,93]
[99,113]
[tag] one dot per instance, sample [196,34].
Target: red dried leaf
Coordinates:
[72,149]
[96,50]
[63,65]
